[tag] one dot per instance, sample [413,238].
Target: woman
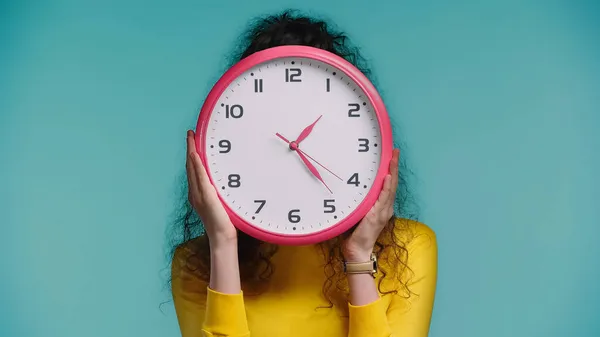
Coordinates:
[225,283]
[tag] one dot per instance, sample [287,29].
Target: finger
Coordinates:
[191,144]
[201,175]
[193,156]
[384,194]
[201,179]
[189,163]
[387,208]
[394,163]
[191,181]
[394,166]
[378,209]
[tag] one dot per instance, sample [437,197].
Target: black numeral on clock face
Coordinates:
[353,180]
[293,75]
[225,145]
[234,181]
[328,206]
[363,145]
[260,206]
[234,111]
[353,111]
[293,216]
[258,85]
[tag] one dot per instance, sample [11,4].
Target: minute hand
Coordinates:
[297,149]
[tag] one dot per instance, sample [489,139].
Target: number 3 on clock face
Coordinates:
[296,142]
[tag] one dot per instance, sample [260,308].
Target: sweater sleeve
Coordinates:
[403,317]
[203,312]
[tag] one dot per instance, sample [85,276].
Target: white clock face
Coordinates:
[256,172]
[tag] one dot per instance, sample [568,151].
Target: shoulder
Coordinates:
[414,235]
[186,255]
[420,242]
[410,257]
[183,275]
[418,245]
[181,255]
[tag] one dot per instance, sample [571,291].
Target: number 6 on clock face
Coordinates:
[297,142]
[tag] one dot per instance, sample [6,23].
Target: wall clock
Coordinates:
[297,142]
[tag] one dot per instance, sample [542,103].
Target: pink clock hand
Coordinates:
[313,169]
[306,154]
[307,130]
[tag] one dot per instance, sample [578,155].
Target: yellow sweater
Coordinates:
[289,307]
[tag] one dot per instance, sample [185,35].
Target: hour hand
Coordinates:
[307,130]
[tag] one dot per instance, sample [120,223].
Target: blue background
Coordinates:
[497,101]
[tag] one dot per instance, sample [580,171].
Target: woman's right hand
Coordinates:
[204,199]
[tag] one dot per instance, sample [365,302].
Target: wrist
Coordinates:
[357,255]
[223,241]
[223,246]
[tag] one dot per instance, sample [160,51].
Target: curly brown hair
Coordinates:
[255,256]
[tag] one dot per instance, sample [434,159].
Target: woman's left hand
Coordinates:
[359,246]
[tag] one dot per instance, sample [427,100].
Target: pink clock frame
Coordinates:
[379,108]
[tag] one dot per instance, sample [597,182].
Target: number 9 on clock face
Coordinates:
[296,142]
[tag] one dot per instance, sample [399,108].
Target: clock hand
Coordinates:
[305,154]
[307,163]
[307,130]
[313,169]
